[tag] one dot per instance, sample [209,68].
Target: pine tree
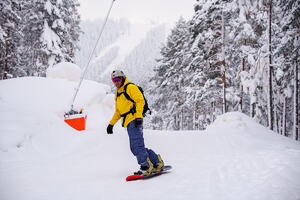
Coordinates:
[242,48]
[51,32]
[169,80]
[208,59]
[287,52]
[257,50]
[10,40]
[70,26]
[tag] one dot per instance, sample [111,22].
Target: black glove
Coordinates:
[109,129]
[138,121]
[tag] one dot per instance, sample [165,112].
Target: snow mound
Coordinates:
[233,121]
[51,95]
[65,70]
[32,110]
[237,123]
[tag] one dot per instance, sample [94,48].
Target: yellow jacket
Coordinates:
[123,105]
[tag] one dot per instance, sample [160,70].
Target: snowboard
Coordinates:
[164,169]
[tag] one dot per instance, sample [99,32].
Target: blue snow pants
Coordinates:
[137,145]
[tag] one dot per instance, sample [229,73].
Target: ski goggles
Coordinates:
[117,79]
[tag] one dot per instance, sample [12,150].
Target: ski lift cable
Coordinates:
[90,57]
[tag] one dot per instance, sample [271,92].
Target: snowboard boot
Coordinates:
[145,170]
[160,164]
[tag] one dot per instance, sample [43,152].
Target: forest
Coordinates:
[35,35]
[232,55]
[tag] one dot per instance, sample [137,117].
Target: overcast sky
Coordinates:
[138,10]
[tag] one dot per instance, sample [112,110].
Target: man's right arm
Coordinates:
[117,114]
[113,121]
[115,118]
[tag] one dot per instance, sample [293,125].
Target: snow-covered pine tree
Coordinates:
[296,98]
[278,83]
[32,30]
[270,68]
[60,30]
[207,64]
[283,81]
[256,80]
[10,40]
[169,79]
[287,62]
[242,47]
[235,35]
[50,33]
[72,30]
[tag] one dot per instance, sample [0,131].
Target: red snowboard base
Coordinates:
[164,170]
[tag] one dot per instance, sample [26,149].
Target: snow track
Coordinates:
[41,158]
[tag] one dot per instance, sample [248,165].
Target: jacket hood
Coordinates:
[121,89]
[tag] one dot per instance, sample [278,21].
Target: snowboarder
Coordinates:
[132,119]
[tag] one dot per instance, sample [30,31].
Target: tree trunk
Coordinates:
[276,115]
[181,119]
[181,105]
[224,66]
[242,88]
[252,111]
[71,51]
[296,101]
[71,54]
[175,122]
[196,118]
[5,64]
[212,113]
[270,103]
[284,117]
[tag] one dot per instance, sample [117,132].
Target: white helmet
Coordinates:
[117,73]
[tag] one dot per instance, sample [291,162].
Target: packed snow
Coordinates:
[42,158]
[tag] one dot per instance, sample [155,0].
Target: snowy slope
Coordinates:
[119,49]
[125,44]
[42,158]
[131,47]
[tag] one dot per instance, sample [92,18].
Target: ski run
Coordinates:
[42,158]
